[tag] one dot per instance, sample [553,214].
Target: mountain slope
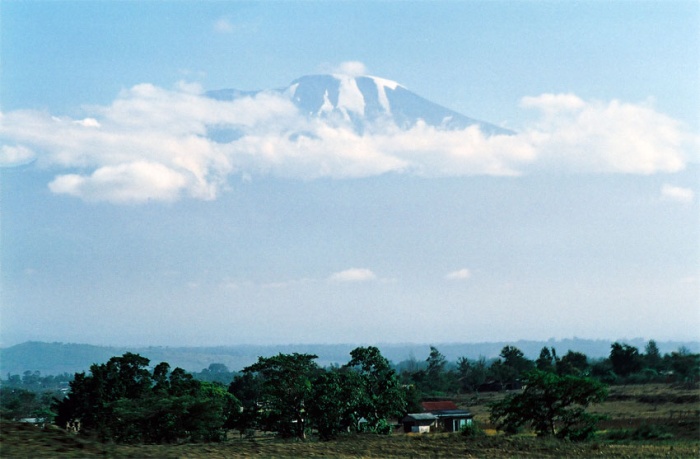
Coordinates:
[366,102]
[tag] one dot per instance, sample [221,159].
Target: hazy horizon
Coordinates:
[123,222]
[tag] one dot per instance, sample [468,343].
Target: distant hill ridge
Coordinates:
[57,358]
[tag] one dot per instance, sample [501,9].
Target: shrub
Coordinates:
[472,430]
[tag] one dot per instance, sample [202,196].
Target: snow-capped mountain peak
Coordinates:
[364,100]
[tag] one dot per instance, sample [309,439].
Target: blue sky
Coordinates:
[588,227]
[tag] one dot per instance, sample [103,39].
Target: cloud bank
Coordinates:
[156,144]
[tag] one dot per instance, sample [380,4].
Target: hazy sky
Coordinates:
[123,224]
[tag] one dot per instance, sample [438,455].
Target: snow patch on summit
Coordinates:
[382,84]
[327,106]
[350,97]
[292,90]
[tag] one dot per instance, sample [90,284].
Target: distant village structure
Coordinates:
[438,416]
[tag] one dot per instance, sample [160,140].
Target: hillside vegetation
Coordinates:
[630,404]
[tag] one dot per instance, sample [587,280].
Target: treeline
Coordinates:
[127,400]
[124,401]
[31,395]
[625,365]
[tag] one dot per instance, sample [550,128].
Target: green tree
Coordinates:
[471,374]
[382,395]
[573,363]
[123,402]
[625,359]
[684,364]
[16,403]
[248,388]
[511,366]
[652,356]
[92,397]
[602,370]
[335,396]
[547,360]
[216,372]
[552,405]
[514,358]
[435,372]
[286,390]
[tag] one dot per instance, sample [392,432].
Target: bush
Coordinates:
[652,432]
[383,427]
[472,430]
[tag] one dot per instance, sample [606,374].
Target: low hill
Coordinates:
[57,358]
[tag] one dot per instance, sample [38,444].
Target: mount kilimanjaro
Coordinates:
[364,102]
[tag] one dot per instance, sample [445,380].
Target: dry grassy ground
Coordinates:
[628,407]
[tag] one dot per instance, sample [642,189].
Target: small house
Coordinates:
[449,418]
[419,422]
[453,420]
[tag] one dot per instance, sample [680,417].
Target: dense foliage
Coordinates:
[290,394]
[124,402]
[552,405]
[31,395]
[437,377]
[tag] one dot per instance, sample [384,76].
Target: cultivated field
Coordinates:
[644,421]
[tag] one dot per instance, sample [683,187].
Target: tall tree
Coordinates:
[511,366]
[335,397]
[547,359]
[286,390]
[551,405]
[91,398]
[573,363]
[514,358]
[382,393]
[435,373]
[625,359]
[652,356]
[685,365]
[248,388]
[471,374]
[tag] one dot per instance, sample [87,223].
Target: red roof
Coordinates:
[439,406]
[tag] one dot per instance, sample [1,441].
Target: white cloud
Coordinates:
[612,137]
[353,275]
[351,68]
[15,155]
[152,143]
[460,274]
[677,193]
[133,182]
[552,103]
[223,25]
[88,122]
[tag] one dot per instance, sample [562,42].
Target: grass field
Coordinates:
[668,415]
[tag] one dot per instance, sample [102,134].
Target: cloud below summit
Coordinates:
[153,143]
